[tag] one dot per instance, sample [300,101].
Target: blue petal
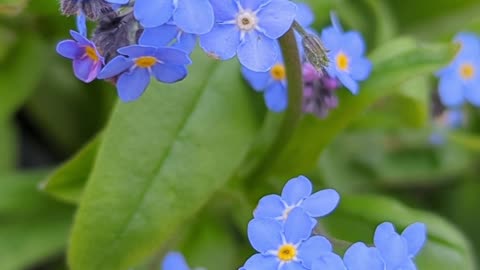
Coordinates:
[416,235]
[160,36]
[394,250]
[336,22]
[331,39]
[253,5]
[116,66]
[261,262]
[169,73]
[305,16]
[224,10]
[360,257]
[276,97]
[276,17]
[296,190]
[321,203]
[383,232]
[258,52]
[186,42]
[312,249]
[329,262]
[80,39]
[348,82]
[86,70]
[298,226]
[137,51]
[222,42]
[258,80]
[360,68]
[174,261]
[270,206]
[470,44]
[82,24]
[172,56]
[131,85]
[119,2]
[353,44]
[408,265]
[451,90]
[194,16]
[264,234]
[69,49]
[153,13]
[293,266]
[472,90]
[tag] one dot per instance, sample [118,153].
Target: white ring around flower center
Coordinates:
[246,20]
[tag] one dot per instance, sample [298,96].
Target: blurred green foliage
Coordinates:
[184,166]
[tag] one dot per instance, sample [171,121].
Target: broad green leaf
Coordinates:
[33,227]
[357,217]
[8,146]
[394,63]
[23,70]
[68,181]
[161,159]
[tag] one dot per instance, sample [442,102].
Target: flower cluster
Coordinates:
[460,81]
[346,65]
[136,40]
[281,233]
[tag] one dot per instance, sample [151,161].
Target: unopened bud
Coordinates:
[315,53]
[93,9]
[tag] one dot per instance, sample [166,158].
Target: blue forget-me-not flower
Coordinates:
[392,251]
[460,80]
[286,247]
[191,16]
[169,35]
[137,63]
[297,193]
[87,62]
[174,261]
[346,54]
[249,29]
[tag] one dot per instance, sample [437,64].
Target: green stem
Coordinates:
[293,113]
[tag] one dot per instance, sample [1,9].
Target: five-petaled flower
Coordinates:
[392,251]
[297,193]
[346,55]
[137,63]
[87,62]
[249,28]
[286,247]
[460,80]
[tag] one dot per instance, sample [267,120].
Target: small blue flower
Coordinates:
[392,251]
[285,247]
[346,55]
[138,63]
[272,83]
[249,29]
[168,35]
[87,61]
[297,193]
[174,261]
[192,16]
[460,80]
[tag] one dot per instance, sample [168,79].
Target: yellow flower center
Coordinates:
[342,61]
[287,252]
[467,71]
[246,20]
[146,61]
[91,53]
[278,72]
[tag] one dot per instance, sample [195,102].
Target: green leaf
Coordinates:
[161,159]
[68,181]
[8,144]
[357,217]
[394,63]
[33,227]
[24,70]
